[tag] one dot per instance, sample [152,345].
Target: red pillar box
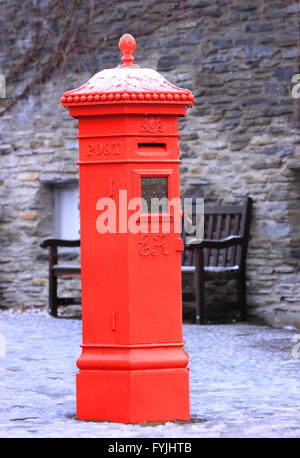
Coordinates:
[133,367]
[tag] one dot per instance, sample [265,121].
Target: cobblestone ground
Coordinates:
[244,382]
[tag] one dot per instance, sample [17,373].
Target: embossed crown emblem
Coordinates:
[151,124]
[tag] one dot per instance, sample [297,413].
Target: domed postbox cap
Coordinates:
[127,83]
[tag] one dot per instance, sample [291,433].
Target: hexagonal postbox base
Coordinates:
[133,396]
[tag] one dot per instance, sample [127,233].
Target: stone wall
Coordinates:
[240,139]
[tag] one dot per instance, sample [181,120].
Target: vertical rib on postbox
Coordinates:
[133,367]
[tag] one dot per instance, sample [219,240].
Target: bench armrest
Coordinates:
[232,240]
[50,242]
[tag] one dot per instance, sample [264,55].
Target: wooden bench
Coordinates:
[58,270]
[221,254]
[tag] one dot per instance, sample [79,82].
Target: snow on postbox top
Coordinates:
[127,84]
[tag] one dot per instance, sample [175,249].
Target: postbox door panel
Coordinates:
[156,251]
[104,255]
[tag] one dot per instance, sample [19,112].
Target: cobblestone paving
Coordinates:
[244,382]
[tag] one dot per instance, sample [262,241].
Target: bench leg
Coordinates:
[52,305]
[242,296]
[199,288]
[200,300]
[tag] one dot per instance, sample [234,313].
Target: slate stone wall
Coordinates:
[241,138]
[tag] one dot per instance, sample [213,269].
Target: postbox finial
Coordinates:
[127,47]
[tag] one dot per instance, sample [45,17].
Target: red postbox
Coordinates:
[133,367]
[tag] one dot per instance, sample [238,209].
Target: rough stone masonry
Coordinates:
[241,138]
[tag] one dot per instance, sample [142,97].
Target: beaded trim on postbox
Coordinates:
[128,97]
